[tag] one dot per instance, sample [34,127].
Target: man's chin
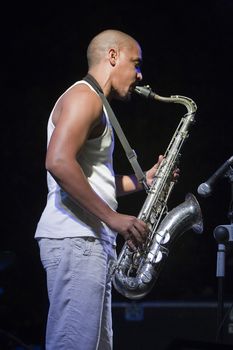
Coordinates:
[126,97]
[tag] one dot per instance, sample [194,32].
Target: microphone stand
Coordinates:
[220,274]
[222,236]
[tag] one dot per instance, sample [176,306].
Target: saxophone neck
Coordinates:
[147,92]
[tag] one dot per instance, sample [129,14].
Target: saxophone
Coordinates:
[135,272]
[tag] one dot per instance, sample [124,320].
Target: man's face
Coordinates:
[127,71]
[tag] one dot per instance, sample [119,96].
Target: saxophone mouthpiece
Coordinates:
[144,91]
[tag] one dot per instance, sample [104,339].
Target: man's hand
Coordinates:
[132,229]
[151,173]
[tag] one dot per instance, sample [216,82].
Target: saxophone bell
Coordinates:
[179,220]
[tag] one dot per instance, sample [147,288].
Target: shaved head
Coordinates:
[104,41]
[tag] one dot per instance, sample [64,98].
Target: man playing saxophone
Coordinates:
[77,230]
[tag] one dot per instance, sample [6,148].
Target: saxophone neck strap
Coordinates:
[130,153]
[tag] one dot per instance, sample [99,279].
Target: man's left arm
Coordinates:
[126,184]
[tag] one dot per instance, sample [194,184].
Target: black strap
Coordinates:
[130,153]
[91,80]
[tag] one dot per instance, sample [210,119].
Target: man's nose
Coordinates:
[139,76]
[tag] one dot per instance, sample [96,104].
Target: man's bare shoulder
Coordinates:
[79,92]
[79,100]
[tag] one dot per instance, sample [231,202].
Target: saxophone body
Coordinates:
[136,272]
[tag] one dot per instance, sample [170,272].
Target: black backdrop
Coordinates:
[187,50]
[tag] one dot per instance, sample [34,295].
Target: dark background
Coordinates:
[187,50]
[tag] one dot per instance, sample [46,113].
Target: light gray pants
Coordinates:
[79,291]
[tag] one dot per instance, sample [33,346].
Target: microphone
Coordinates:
[205,189]
[223,233]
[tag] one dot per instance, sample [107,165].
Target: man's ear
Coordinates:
[113,56]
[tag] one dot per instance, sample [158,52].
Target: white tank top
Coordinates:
[62,217]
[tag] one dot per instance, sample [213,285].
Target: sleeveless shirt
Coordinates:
[62,217]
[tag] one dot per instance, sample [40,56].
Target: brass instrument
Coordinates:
[136,272]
